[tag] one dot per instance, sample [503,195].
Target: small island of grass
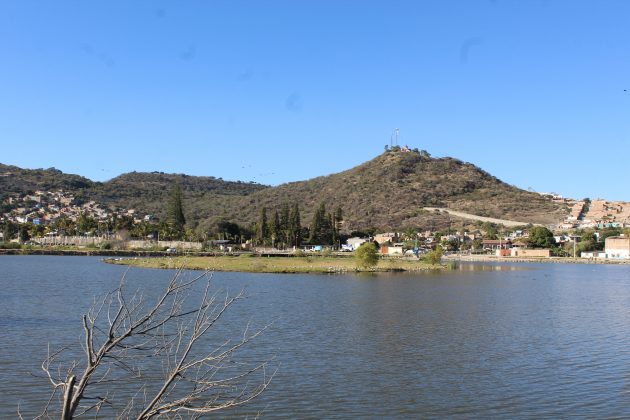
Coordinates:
[250,263]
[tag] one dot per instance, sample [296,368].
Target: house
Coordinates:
[594,255]
[391,250]
[354,243]
[382,238]
[618,247]
[494,244]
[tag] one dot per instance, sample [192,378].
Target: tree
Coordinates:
[434,257]
[285,216]
[85,223]
[490,230]
[274,228]
[227,230]
[24,234]
[262,230]
[176,211]
[9,231]
[540,237]
[295,226]
[366,256]
[321,227]
[123,222]
[157,353]
[336,225]
[608,232]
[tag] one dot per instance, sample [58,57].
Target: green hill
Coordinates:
[20,181]
[390,190]
[385,193]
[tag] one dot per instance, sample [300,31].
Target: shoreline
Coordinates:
[548,260]
[276,265]
[405,265]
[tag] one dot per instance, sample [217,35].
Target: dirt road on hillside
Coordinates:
[509,223]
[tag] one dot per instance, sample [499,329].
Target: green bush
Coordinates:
[434,257]
[366,255]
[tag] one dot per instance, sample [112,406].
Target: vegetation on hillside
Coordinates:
[385,193]
[389,192]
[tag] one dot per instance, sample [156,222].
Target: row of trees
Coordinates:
[284,228]
[281,229]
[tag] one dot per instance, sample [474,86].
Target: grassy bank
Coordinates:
[251,264]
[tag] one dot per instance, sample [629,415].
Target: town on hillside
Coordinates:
[593,229]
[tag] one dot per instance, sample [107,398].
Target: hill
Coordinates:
[149,192]
[390,191]
[146,192]
[19,181]
[384,193]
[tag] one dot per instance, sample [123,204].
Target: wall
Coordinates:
[72,240]
[536,253]
[618,247]
[180,245]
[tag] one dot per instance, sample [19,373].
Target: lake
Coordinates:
[485,340]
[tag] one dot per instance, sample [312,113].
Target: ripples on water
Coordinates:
[510,341]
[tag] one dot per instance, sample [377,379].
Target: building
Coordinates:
[391,250]
[383,238]
[618,247]
[353,243]
[494,244]
[593,255]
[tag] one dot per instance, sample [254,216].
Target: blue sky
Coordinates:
[278,91]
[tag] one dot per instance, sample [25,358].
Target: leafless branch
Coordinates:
[125,340]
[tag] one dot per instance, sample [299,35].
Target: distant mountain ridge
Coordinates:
[387,192]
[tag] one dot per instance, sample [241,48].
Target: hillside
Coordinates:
[386,192]
[146,192]
[149,192]
[390,190]
[19,181]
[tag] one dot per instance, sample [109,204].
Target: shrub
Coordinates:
[366,255]
[434,257]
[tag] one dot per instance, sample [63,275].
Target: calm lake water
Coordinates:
[499,341]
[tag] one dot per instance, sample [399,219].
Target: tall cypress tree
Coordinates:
[295,227]
[274,229]
[284,224]
[176,211]
[262,231]
[315,228]
[321,226]
[336,225]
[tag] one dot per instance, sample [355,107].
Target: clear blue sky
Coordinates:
[278,91]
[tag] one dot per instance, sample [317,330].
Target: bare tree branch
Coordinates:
[124,340]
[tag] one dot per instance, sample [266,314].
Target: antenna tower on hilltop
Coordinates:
[393,139]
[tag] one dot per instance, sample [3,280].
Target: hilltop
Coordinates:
[386,192]
[390,191]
